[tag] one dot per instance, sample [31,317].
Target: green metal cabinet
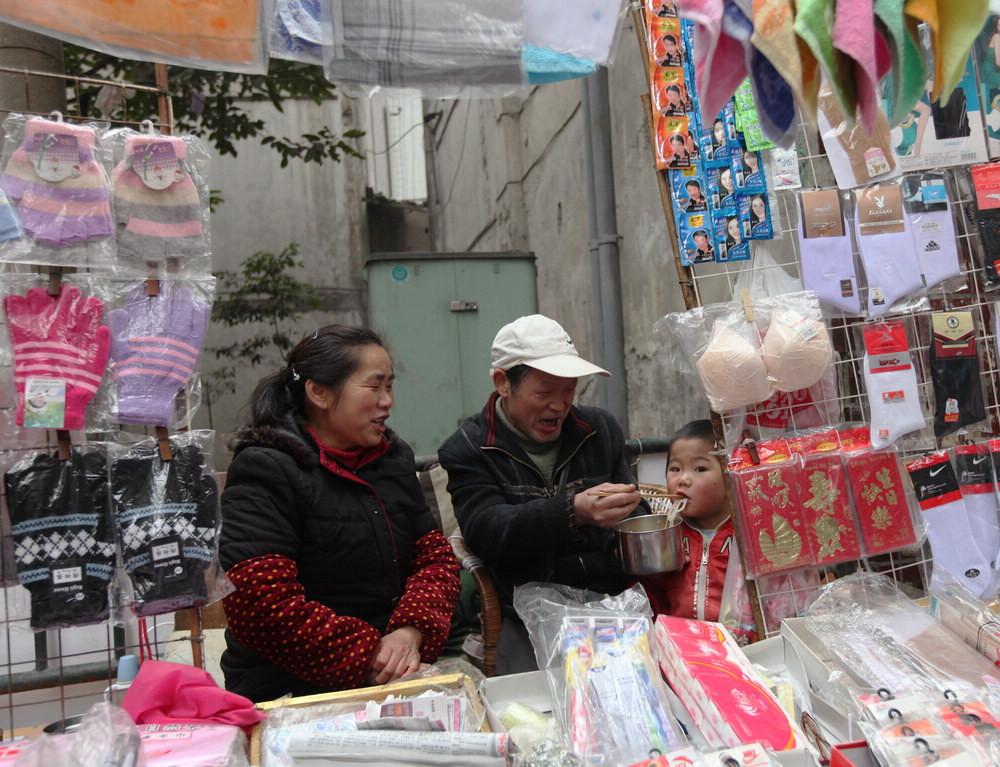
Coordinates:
[440,313]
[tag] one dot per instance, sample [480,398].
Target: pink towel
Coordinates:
[173,692]
[720,64]
[854,35]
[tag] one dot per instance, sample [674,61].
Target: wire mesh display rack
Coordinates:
[49,676]
[717,282]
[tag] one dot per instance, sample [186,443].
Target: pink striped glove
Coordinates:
[155,342]
[58,338]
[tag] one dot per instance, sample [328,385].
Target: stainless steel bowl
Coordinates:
[649,544]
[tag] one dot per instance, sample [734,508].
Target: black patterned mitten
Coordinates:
[62,540]
[166,518]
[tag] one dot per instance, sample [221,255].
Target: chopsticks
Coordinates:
[643,494]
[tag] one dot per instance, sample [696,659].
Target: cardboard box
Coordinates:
[827,698]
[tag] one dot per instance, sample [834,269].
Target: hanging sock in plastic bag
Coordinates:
[955,372]
[986,182]
[953,544]
[976,479]
[826,251]
[155,343]
[891,383]
[62,540]
[856,156]
[157,205]
[166,521]
[60,189]
[60,350]
[886,247]
[928,217]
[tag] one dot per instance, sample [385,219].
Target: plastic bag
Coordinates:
[55,176]
[608,693]
[63,542]
[160,197]
[156,337]
[166,520]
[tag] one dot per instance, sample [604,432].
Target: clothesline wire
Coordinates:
[405,134]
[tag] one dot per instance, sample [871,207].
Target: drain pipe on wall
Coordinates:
[606,312]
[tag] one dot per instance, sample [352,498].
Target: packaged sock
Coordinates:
[826,252]
[955,372]
[886,246]
[891,383]
[928,217]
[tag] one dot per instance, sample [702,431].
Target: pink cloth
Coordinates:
[173,692]
[720,65]
[854,35]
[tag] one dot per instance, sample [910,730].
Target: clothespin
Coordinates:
[55,280]
[163,440]
[751,445]
[63,444]
[152,288]
[747,304]
[56,115]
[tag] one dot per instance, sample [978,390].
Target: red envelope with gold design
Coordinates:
[880,501]
[769,502]
[826,502]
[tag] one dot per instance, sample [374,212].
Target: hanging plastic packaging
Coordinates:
[63,543]
[60,348]
[166,521]
[767,495]
[955,372]
[610,698]
[160,196]
[884,504]
[885,244]
[155,343]
[54,174]
[227,37]
[826,252]
[929,219]
[954,544]
[891,383]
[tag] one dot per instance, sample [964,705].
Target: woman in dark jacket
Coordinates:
[342,577]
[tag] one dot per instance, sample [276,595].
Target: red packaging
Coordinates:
[880,502]
[769,504]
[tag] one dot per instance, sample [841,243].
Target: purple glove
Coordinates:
[155,342]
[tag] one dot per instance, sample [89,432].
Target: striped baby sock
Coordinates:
[60,190]
[157,206]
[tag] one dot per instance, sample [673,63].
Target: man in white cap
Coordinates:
[524,476]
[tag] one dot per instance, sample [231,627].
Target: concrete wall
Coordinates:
[322,208]
[511,173]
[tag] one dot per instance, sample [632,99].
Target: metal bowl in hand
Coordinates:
[649,544]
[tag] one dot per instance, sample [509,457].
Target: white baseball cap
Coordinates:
[540,343]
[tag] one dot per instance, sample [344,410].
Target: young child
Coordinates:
[701,589]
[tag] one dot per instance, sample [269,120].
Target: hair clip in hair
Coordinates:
[295,376]
[315,334]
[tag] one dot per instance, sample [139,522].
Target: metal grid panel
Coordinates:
[50,675]
[716,282]
[712,283]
